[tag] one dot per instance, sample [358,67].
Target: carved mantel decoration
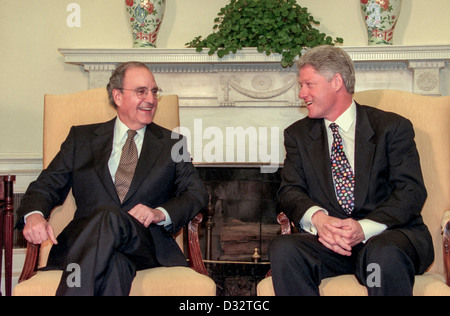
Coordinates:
[249,78]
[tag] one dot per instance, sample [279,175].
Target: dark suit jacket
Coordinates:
[389,187]
[82,164]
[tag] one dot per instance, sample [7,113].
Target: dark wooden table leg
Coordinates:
[8,231]
[1,244]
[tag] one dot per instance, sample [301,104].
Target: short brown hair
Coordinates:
[328,61]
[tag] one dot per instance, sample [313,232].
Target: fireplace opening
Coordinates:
[239,224]
[244,211]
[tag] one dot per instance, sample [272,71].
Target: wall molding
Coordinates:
[26,166]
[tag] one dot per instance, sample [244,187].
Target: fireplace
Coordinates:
[244,210]
[241,218]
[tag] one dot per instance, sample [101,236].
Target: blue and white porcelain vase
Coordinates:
[145,18]
[381,17]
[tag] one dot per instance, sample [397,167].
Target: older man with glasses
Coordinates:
[131,196]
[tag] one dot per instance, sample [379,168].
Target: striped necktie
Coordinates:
[127,166]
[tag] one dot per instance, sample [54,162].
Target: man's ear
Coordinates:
[338,82]
[118,97]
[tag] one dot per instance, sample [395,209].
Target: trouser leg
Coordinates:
[300,262]
[109,250]
[387,265]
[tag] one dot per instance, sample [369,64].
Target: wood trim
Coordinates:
[195,254]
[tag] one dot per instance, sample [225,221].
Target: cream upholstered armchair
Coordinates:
[431,119]
[87,107]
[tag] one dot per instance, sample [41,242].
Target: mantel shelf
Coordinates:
[247,55]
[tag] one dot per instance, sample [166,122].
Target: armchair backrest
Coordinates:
[61,112]
[431,119]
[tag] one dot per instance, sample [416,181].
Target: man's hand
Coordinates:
[338,235]
[37,230]
[349,230]
[146,215]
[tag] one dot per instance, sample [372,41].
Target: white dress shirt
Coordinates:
[347,126]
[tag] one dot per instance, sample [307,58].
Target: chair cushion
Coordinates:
[429,284]
[42,284]
[176,281]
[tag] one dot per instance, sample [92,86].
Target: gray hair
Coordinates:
[328,61]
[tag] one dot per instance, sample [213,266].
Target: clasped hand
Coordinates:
[37,229]
[336,234]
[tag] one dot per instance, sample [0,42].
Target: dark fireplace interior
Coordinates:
[242,218]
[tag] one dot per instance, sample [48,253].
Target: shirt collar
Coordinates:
[121,130]
[346,120]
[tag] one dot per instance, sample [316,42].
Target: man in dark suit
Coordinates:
[352,184]
[129,201]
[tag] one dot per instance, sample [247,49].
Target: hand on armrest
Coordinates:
[37,230]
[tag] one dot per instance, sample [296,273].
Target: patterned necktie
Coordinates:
[127,166]
[343,176]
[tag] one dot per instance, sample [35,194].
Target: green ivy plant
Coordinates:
[273,26]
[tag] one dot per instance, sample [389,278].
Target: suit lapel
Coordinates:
[101,149]
[151,149]
[320,162]
[364,153]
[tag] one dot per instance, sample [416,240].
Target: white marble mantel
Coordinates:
[203,80]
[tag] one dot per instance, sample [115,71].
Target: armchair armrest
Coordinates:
[446,239]
[285,223]
[194,252]
[30,266]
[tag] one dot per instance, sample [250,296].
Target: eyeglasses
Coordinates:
[143,92]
